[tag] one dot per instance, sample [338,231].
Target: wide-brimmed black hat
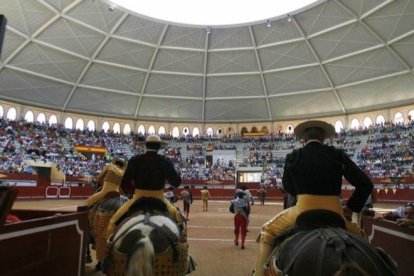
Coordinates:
[326,127]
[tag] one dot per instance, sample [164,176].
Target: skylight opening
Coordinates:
[212,12]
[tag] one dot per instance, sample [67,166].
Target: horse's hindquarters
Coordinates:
[174,261]
[148,244]
[166,263]
[99,218]
[116,264]
[100,225]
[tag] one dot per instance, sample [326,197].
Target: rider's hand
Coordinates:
[347,213]
[405,222]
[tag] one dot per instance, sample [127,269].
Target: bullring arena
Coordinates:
[83,82]
[210,234]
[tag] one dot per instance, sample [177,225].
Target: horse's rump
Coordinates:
[148,242]
[324,250]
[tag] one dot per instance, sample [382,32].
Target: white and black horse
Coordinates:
[148,242]
[320,245]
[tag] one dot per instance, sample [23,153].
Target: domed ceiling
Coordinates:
[334,58]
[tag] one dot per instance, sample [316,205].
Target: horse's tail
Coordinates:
[142,260]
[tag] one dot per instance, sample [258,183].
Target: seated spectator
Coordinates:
[403,216]
[396,214]
[409,216]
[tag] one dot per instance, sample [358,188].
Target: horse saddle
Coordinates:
[149,205]
[319,244]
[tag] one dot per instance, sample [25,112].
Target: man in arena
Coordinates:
[262,192]
[314,174]
[241,212]
[145,176]
[187,198]
[170,195]
[205,196]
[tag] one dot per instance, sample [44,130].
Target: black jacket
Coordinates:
[149,171]
[318,169]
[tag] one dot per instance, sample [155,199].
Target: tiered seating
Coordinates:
[381,150]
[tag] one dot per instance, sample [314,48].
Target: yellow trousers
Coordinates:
[106,188]
[287,218]
[172,210]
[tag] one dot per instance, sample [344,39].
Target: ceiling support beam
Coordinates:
[28,39]
[324,31]
[144,85]
[14,68]
[328,78]
[386,44]
[303,66]
[373,48]
[375,9]
[60,49]
[373,79]
[203,111]
[88,65]
[259,64]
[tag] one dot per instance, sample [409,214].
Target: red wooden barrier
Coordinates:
[395,240]
[44,243]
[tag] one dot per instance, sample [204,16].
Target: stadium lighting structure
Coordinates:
[213,12]
[268,23]
[112,7]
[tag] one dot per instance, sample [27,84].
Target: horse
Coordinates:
[99,216]
[319,244]
[148,242]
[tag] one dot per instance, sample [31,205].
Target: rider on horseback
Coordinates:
[146,176]
[314,174]
[110,179]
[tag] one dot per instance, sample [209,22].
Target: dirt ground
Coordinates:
[210,234]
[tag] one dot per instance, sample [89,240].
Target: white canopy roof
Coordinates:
[334,58]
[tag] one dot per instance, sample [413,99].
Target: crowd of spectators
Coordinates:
[382,150]
[387,154]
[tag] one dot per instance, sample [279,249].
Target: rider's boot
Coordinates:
[98,266]
[88,259]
